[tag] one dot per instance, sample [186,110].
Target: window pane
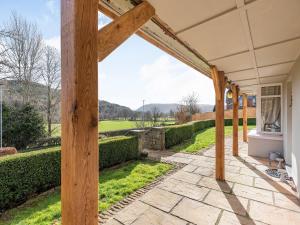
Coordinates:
[271,114]
[270,90]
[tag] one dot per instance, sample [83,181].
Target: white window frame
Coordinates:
[258,112]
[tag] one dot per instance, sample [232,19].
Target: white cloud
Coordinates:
[53,42]
[167,80]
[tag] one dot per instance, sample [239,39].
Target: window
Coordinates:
[271,109]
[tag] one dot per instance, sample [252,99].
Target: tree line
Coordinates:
[27,60]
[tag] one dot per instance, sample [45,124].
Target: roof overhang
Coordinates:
[253,41]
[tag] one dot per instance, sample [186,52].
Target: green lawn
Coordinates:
[202,139]
[114,185]
[108,125]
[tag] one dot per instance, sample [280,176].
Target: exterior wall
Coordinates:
[227,114]
[155,138]
[295,80]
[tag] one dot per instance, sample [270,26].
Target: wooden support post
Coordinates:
[79,94]
[219,84]
[115,33]
[235,120]
[245,118]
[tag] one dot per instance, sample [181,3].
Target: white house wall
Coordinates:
[295,79]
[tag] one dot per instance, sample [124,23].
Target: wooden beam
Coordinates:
[245,118]
[79,94]
[235,120]
[219,84]
[216,81]
[115,33]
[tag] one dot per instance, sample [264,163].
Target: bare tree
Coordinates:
[191,103]
[23,52]
[188,107]
[50,74]
[155,115]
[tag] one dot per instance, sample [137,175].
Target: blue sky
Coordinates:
[135,71]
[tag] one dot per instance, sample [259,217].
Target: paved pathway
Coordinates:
[192,195]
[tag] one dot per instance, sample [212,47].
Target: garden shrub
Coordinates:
[22,125]
[25,174]
[116,150]
[177,134]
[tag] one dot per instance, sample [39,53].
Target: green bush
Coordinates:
[116,150]
[25,174]
[177,134]
[201,125]
[22,126]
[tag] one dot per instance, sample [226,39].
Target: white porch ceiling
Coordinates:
[253,41]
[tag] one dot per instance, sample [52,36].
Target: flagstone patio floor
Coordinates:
[193,196]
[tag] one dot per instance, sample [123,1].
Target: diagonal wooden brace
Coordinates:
[114,34]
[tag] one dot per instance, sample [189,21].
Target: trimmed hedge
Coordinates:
[176,134]
[25,174]
[116,150]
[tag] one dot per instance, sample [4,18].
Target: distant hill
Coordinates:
[109,110]
[12,93]
[166,108]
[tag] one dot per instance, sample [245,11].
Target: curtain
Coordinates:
[270,114]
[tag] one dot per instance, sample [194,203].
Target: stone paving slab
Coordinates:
[190,178]
[212,183]
[153,216]
[184,189]
[204,171]
[228,202]
[233,219]
[253,193]
[161,199]
[196,212]
[193,196]
[273,215]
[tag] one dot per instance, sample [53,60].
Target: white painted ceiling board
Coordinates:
[233,63]
[277,69]
[219,37]
[273,79]
[283,52]
[241,75]
[180,14]
[247,82]
[273,21]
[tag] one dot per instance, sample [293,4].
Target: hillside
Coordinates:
[12,93]
[166,108]
[109,110]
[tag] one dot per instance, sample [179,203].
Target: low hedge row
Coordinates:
[176,134]
[25,174]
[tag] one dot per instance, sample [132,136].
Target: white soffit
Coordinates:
[274,21]
[273,79]
[247,82]
[234,63]
[279,53]
[242,75]
[180,14]
[276,69]
[219,37]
